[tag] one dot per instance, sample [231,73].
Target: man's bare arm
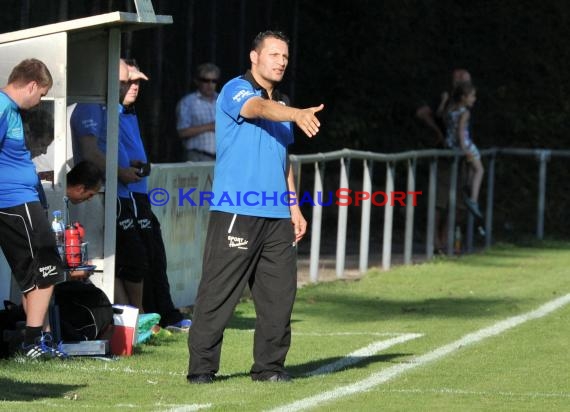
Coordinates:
[305,119]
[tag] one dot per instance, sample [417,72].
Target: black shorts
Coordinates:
[132,255]
[29,246]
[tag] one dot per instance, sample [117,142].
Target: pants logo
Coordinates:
[48,271]
[237,242]
[144,223]
[126,224]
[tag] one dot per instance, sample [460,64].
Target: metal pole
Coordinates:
[297,175]
[409,237]
[365,219]
[342,222]
[490,200]
[544,155]
[388,218]
[188,47]
[452,205]
[111,158]
[316,225]
[469,234]
[432,193]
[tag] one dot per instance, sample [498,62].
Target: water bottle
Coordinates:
[59,231]
[457,244]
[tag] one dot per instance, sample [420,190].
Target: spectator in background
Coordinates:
[458,117]
[27,240]
[432,115]
[458,76]
[195,114]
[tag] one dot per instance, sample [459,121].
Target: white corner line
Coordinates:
[391,372]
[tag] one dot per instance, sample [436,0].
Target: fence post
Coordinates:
[316,224]
[388,218]
[296,165]
[409,239]
[365,219]
[544,156]
[342,222]
[490,200]
[432,193]
[469,232]
[452,205]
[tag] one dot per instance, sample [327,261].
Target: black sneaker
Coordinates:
[473,208]
[200,378]
[274,377]
[43,348]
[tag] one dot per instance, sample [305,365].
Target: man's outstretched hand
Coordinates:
[306,120]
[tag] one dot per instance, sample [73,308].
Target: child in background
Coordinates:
[458,137]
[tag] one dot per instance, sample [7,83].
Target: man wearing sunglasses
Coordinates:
[195,115]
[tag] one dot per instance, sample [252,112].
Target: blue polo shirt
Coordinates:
[250,173]
[131,141]
[90,119]
[18,177]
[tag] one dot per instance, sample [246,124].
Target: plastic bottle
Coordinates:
[59,229]
[457,243]
[72,246]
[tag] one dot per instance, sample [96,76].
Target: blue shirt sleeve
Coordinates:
[236,93]
[90,119]
[3,126]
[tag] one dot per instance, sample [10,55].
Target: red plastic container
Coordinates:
[73,246]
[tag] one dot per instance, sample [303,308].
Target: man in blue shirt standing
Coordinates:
[140,262]
[252,241]
[27,240]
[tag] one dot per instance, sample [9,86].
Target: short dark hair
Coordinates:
[31,70]
[85,173]
[261,36]
[460,90]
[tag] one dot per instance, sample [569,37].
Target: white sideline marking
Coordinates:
[347,333]
[333,333]
[450,391]
[365,352]
[190,408]
[387,374]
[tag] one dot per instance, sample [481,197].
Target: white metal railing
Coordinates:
[368,159]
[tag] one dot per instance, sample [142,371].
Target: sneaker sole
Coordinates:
[176,329]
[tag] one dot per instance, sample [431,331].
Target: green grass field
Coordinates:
[457,334]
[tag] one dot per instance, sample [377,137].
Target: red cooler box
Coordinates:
[125,318]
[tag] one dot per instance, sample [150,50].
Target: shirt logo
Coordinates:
[48,271]
[89,123]
[237,242]
[16,133]
[242,94]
